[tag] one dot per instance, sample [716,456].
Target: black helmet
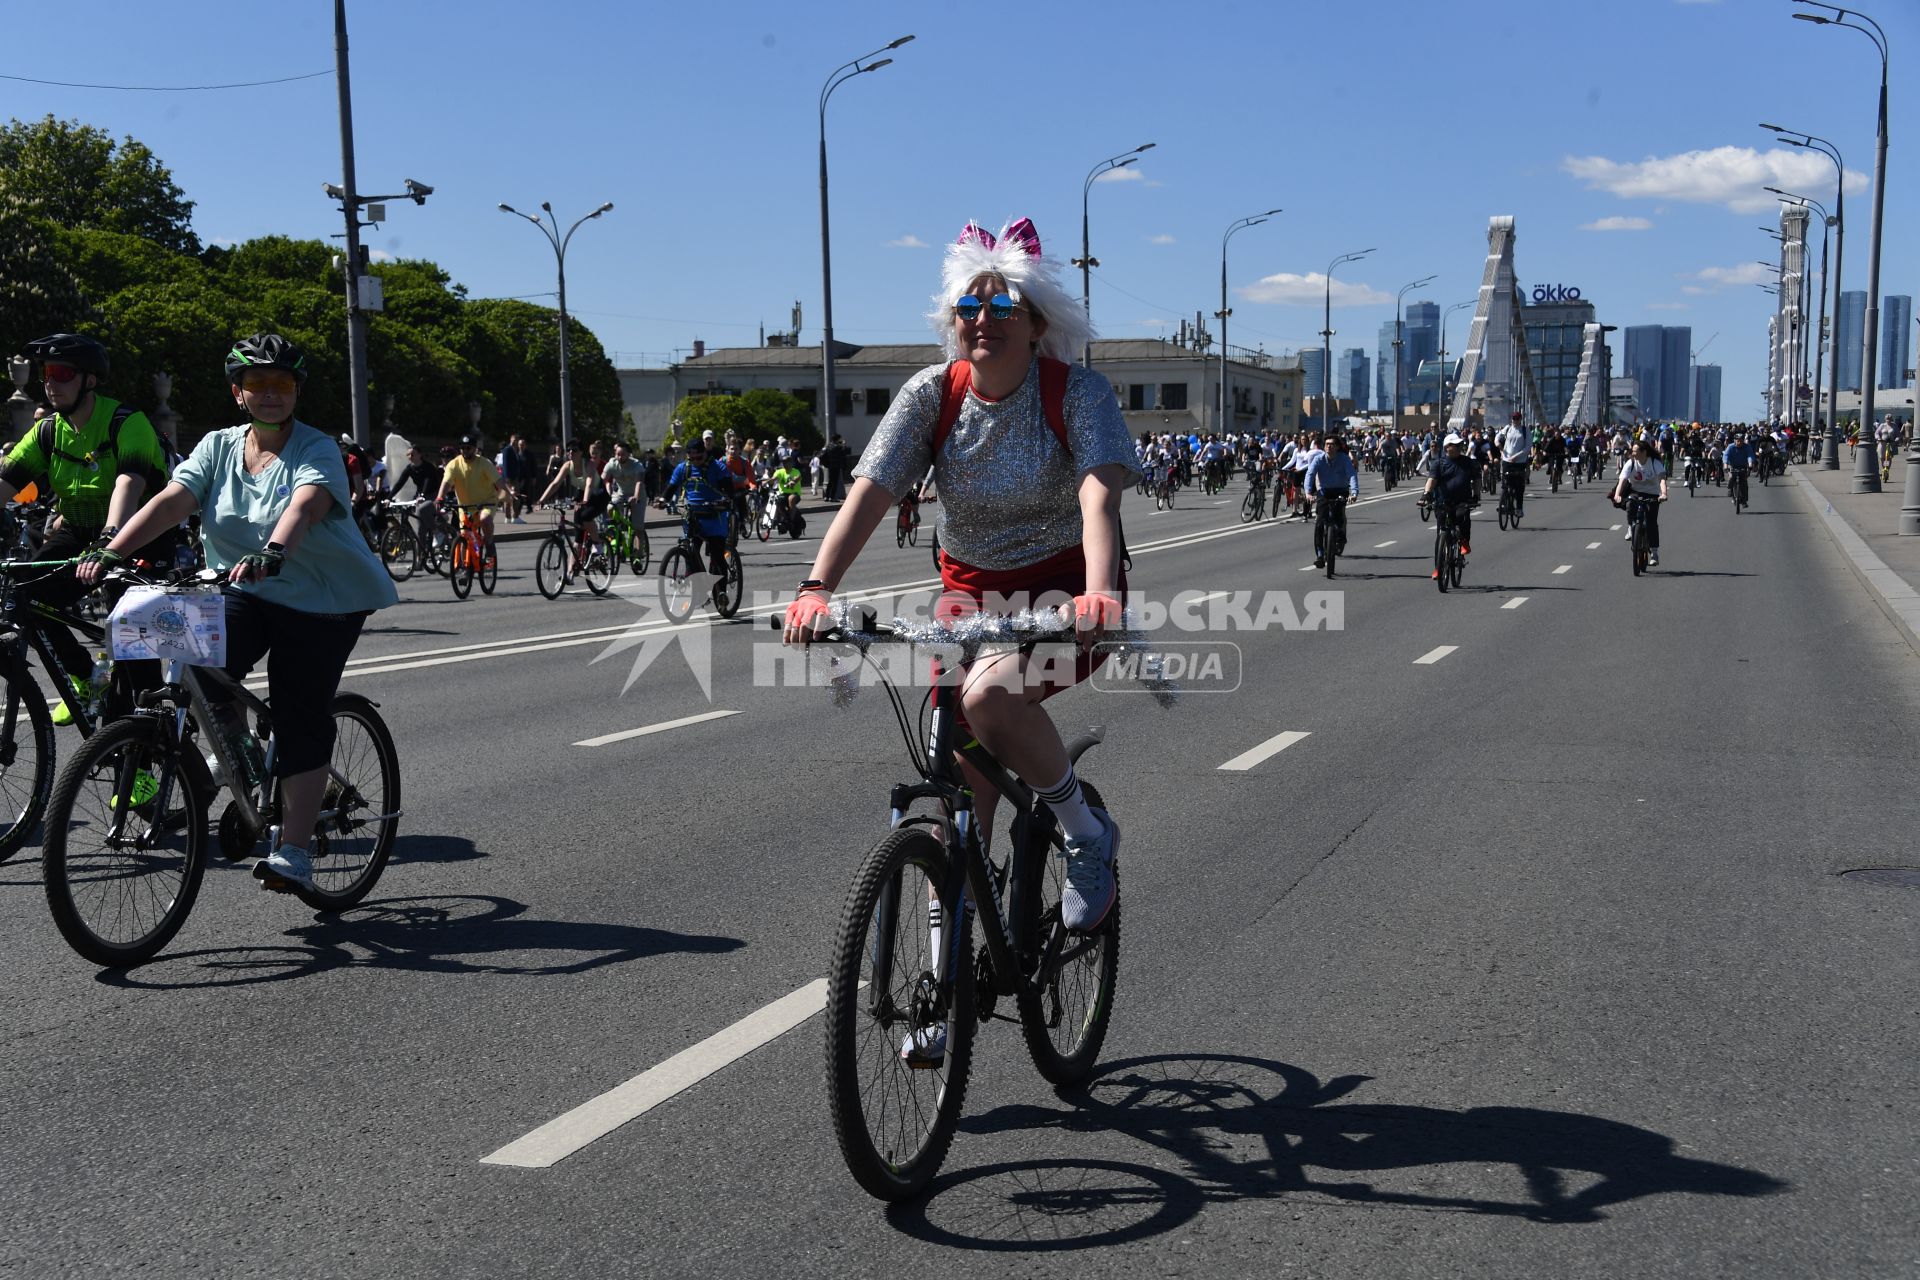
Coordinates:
[469,441]
[83,353]
[266,351]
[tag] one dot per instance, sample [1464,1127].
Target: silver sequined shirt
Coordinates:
[1009,494]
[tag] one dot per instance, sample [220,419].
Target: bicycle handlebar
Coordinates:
[1022,628]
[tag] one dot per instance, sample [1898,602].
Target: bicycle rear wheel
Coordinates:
[398,551]
[677,569]
[1065,1019]
[599,570]
[550,566]
[895,1122]
[360,808]
[27,753]
[121,876]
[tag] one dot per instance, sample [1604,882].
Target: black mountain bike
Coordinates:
[1330,530]
[1737,488]
[126,841]
[1512,493]
[1255,504]
[681,565]
[891,984]
[1640,507]
[1449,561]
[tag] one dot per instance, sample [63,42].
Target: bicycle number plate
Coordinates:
[177,626]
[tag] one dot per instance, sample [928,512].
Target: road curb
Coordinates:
[1895,596]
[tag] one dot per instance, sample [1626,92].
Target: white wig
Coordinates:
[1013,256]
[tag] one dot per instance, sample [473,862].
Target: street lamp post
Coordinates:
[1813,142]
[841,74]
[1326,341]
[559,243]
[1399,334]
[1827,223]
[1251,220]
[1086,261]
[1866,475]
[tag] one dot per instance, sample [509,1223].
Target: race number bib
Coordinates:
[177,626]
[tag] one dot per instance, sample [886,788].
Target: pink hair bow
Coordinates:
[1021,233]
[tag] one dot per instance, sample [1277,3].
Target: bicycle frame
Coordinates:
[30,632]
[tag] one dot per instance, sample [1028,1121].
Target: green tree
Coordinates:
[776,414]
[39,292]
[698,415]
[75,175]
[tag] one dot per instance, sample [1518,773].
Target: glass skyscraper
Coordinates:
[1706,393]
[1421,340]
[1848,328]
[1352,368]
[1896,332]
[1556,336]
[1313,367]
[1659,360]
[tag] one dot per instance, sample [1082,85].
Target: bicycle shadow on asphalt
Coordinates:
[1237,1138]
[425,848]
[477,934]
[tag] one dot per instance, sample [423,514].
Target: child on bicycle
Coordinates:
[277,518]
[1026,511]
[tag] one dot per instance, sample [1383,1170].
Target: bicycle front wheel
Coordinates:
[26,759]
[730,590]
[677,569]
[639,553]
[398,551]
[121,875]
[1065,1014]
[895,1120]
[599,570]
[489,574]
[550,566]
[461,576]
[359,811]
[1443,568]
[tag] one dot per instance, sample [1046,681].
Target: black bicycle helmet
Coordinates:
[83,353]
[266,351]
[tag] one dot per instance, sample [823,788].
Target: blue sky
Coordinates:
[1374,124]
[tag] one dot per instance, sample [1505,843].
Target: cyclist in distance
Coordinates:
[1332,472]
[626,479]
[586,483]
[276,514]
[786,481]
[1454,482]
[1516,456]
[1031,456]
[706,486]
[1644,474]
[101,459]
[475,481]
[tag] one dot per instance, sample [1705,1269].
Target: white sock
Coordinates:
[1069,807]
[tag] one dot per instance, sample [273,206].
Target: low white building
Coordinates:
[1160,384]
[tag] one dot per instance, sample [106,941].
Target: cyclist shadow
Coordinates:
[1237,1137]
[423,848]
[456,933]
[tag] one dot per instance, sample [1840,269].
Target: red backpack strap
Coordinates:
[953,398]
[1053,398]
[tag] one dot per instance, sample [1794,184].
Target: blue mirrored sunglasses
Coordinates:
[999,306]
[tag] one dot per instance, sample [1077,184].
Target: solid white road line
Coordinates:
[598,1117]
[1563,568]
[1271,747]
[1514,603]
[1428,659]
[1593,546]
[662,727]
[1381,546]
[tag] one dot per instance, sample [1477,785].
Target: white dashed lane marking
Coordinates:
[662,727]
[1381,546]
[1428,659]
[1593,546]
[1272,746]
[1563,568]
[1514,603]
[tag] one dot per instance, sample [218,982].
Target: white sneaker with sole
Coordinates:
[1091,889]
[286,866]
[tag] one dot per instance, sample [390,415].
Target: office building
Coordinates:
[1658,358]
[1313,366]
[1351,371]
[1384,370]
[1705,406]
[1556,338]
[1896,335]
[1849,326]
[1420,337]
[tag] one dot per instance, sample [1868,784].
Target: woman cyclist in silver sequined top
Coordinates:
[1022,518]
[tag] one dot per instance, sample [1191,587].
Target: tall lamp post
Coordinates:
[1399,334]
[1443,407]
[559,243]
[1086,261]
[1829,462]
[1813,142]
[841,74]
[1251,220]
[1326,341]
[1866,475]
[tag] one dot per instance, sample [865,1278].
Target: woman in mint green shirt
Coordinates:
[275,515]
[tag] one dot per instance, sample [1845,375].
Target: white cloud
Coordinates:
[1693,289]
[910,241]
[381,255]
[223,242]
[1129,174]
[1724,277]
[1164,238]
[1288,288]
[1617,224]
[1732,176]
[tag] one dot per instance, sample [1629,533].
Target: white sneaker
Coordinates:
[286,866]
[926,1048]
[1091,889]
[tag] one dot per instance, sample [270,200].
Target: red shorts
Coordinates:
[1043,584]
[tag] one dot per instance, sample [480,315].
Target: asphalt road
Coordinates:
[1530,959]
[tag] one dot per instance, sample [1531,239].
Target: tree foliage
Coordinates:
[96,239]
[762,414]
[75,175]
